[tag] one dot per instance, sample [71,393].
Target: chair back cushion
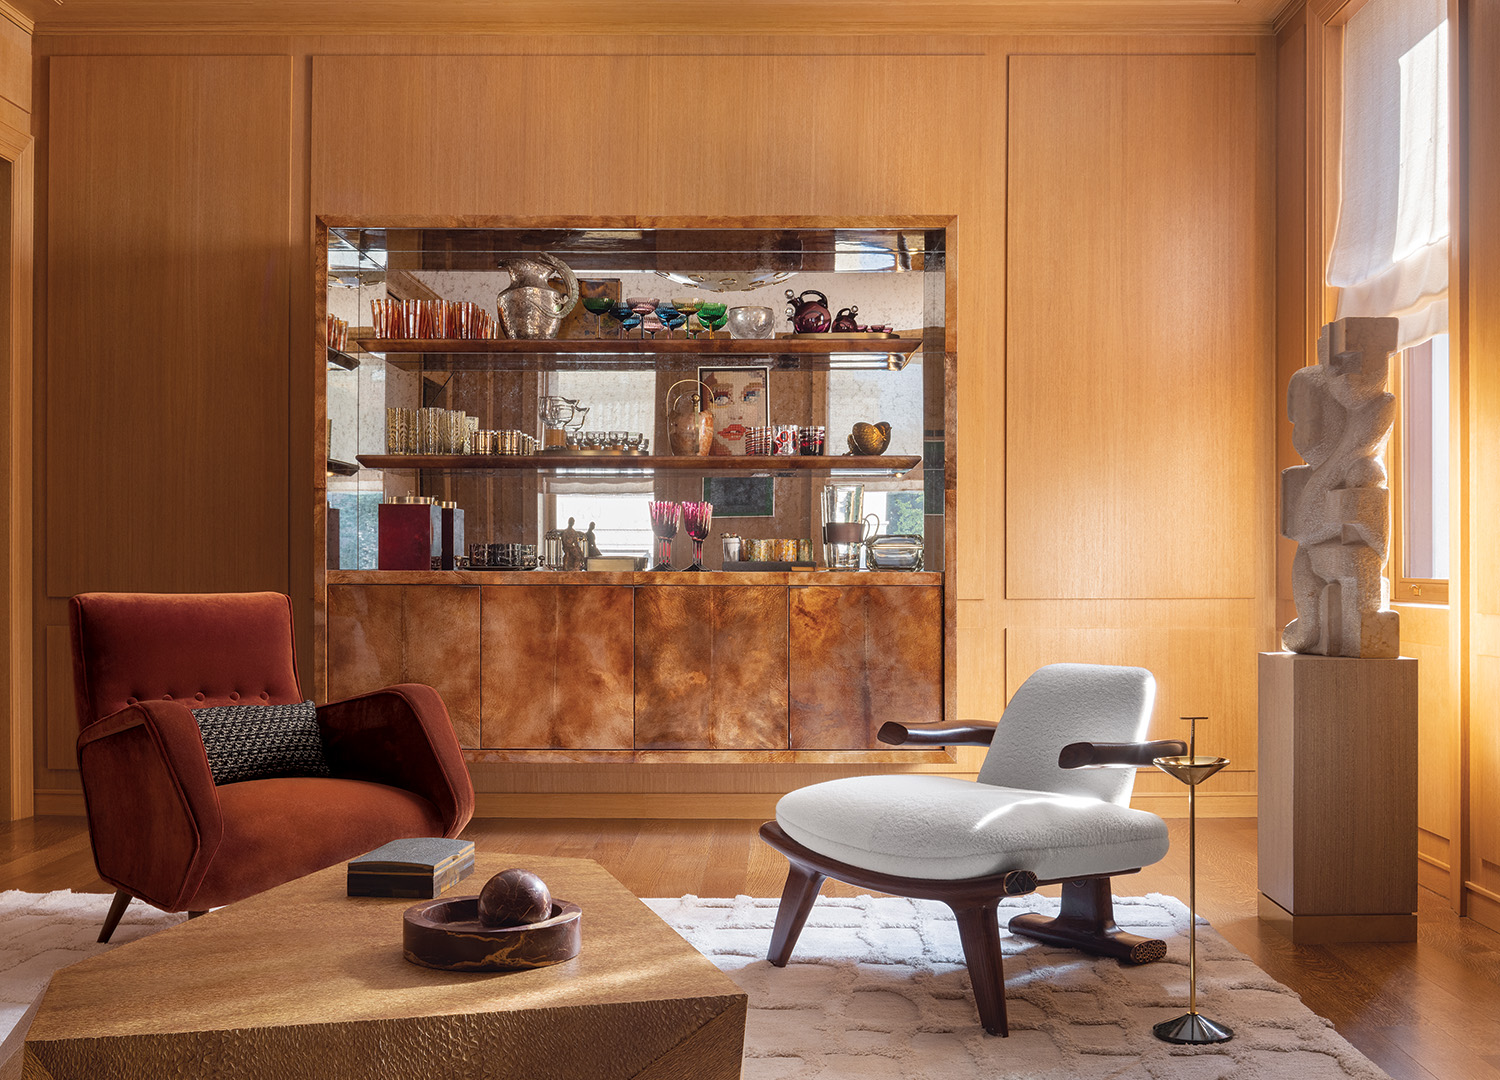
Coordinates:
[1066,703]
[198,648]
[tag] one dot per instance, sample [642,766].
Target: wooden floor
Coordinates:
[1428,1010]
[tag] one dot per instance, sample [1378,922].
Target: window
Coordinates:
[1390,257]
[1418,465]
[622,522]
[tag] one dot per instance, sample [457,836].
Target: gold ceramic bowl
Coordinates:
[870,438]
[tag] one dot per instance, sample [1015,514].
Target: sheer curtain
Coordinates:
[1390,253]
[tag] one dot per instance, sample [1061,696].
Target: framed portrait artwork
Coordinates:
[740,398]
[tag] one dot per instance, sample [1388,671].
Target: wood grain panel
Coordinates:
[379,635]
[1200,671]
[365,629]
[1136,358]
[710,668]
[1424,636]
[441,632]
[860,657]
[167,323]
[15,65]
[61,731]
[558,667]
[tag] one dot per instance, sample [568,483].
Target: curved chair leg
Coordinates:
[802,885]
[117,908]
[1087,922]
[979,930]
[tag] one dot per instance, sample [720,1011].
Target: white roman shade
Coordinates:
[1390,253]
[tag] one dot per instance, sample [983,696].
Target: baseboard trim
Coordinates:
[60,803]
[1336,929]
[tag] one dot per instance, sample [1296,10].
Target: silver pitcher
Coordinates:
[529,306]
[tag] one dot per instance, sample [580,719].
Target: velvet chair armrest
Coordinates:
[153,810]
[1098,755]
[937,735]
[401,736]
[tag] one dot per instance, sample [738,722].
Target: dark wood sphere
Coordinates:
[514,897]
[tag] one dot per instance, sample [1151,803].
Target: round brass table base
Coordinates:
[1192,1028]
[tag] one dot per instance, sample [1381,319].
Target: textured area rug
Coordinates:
[877,989]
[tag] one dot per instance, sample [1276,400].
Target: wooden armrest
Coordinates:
[1098,755]
[937,735]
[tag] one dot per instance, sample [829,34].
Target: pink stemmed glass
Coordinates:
[696,518]
[645,307]
[664,517]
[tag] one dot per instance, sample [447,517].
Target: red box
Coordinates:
[410,535]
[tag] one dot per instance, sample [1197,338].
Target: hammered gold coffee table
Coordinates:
[303,981]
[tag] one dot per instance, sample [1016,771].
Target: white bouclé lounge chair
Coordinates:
[1045,809]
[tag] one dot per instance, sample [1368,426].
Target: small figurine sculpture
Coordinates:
[1336,506]
[589,545]
[572,545]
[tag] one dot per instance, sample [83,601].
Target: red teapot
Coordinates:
[808,316]
[844,322]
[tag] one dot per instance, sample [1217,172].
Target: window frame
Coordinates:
[1404,588]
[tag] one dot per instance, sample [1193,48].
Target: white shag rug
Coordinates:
[877,989]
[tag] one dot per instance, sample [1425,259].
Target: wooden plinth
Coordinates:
[1337,773]
[303,981]
[1336,929]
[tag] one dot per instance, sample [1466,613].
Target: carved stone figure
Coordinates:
[589,544]
[572,545]
[1337,505]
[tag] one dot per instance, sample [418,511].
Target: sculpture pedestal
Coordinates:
[1338,797]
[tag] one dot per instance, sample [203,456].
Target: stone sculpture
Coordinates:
[572,545]
[1337,505]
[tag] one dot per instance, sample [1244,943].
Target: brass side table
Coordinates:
[1192,1027]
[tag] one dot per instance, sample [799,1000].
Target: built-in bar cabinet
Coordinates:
[604,660]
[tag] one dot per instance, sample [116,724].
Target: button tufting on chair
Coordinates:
[234,696]
[166,697]
[130,701]
[198,696]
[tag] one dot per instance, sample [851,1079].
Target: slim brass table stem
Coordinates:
[1192,1027]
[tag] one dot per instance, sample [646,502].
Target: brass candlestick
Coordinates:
[1192,1027]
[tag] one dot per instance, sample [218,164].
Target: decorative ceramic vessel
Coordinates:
[870,439]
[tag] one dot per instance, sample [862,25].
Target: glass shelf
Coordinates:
[846,465]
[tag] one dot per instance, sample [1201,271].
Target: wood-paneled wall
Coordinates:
[17,196]
[1145,537]
[1477,396]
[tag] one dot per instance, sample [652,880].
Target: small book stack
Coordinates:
[420,868]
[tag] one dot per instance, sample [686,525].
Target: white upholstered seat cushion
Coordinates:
[945,828]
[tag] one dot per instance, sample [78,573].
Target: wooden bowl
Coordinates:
[446,933]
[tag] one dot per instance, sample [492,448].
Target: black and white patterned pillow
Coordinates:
[252,742]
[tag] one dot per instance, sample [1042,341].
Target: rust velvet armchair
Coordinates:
[162,830]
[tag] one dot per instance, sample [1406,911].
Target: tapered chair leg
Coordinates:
[979,930]
[802,885]
[1087,922]
[116,909]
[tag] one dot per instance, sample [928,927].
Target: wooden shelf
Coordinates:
[506,353]
[341,468]
[611,463]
